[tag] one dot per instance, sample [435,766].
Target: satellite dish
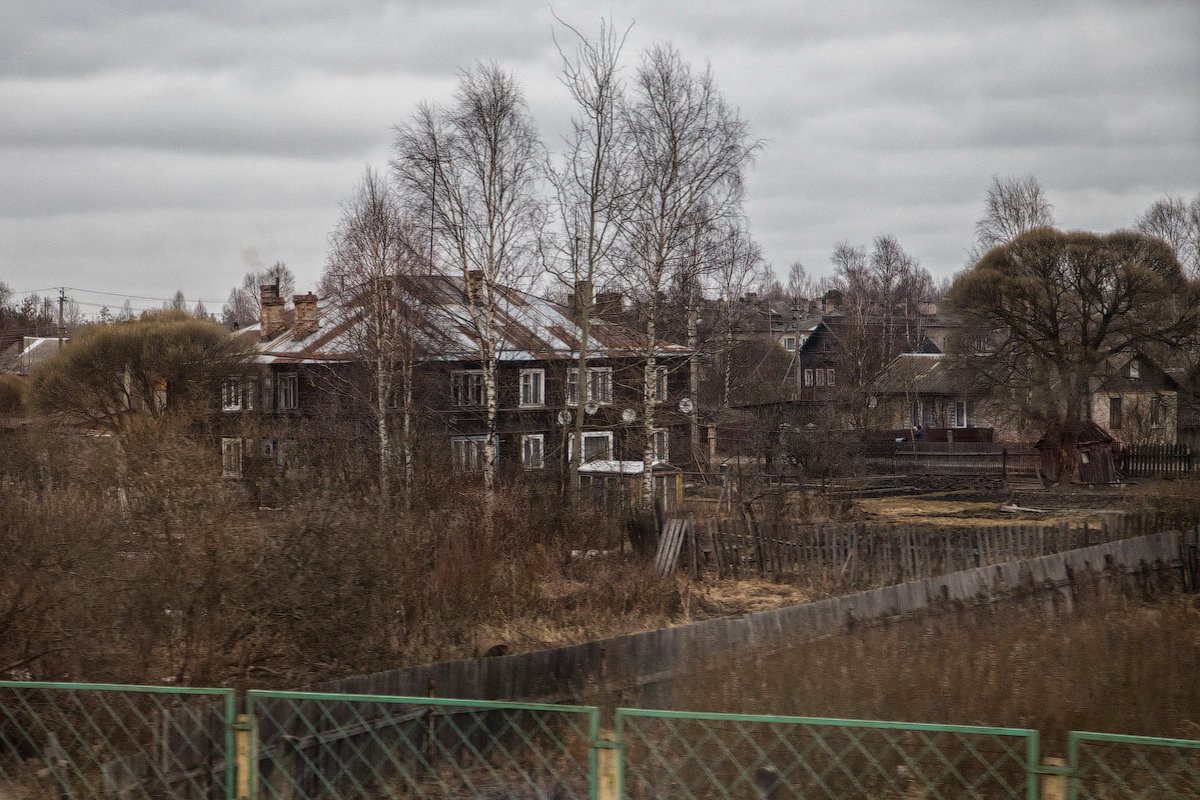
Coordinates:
[591,408]
[628,415]
[686,406]
[564,417]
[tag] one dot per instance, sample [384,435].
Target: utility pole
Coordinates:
[62,298]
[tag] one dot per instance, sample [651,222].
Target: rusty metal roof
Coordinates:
[532,328]
[922,373]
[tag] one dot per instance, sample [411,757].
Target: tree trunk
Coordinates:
[699,457]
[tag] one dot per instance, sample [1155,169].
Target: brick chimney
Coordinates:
[306,314]
[270,311]
[608,306]
[581,299]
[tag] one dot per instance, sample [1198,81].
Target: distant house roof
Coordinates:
[532,328]
[923,373]
[31,351]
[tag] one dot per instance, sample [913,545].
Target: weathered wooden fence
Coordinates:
[942,458]
[854,556]
[1155,460]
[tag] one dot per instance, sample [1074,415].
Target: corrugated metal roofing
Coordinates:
[922,373]
[532,328]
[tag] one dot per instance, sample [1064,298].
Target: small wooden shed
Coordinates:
[1093,453]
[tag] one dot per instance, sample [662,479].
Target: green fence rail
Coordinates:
[1105,765]
[84,741]
[360,746]
[690,756]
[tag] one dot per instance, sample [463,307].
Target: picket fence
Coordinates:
[851,556]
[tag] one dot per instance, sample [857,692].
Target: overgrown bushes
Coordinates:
[130,560]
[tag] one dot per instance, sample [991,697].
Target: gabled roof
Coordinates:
[533,329]
[922,373]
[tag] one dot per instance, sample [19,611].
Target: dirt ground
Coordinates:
[963,509]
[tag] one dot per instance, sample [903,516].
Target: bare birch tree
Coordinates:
[474,170]
[740,266]
[372,253]
[1176,222]
[590,192]
[689,148]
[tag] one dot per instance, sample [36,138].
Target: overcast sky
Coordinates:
[152,146]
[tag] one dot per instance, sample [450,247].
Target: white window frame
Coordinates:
[231,394]
[789,342]
[532,388]
[960,414]
[287,392]
[605,435]
[661,384]
[1157,412]
[268,391]
[829,376]
[600,385]
[533,451]
[819,376]
[471,459]
[467,388]
[808,377]
[1134,371]
[660,445]
[231,458]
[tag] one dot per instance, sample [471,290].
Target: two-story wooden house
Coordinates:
[300,358]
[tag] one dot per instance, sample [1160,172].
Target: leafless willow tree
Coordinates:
[1013,205]
[590,191]
[373,252]
[1043,313]
[689,148]
[1176,222]
[473,168]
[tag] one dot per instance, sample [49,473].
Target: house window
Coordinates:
[467,453]
[268,391]
[789,343]
[1134,372]
[820,376]
[599,385]
[597,446]
[231,458]
[1156,412]
[1114,413]
[533,383]
[231,395]
[288,392]
[532,452]
[660,446]
[808,377]
[660,384]
[960,413]
[829,377]
[466,387]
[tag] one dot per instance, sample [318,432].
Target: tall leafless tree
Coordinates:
[1176,222]
[591,192]
[373,254]
[474,169]
[739,267]
[1013,205]
[689,149]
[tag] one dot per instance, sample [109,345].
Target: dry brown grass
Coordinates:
[1115,665]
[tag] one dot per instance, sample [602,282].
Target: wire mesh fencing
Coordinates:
[1105,766]
[689,756]
[84,741]
[317,746]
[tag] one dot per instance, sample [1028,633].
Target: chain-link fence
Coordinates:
[340,747]
[1106,766]
[83,741]
[689,756]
